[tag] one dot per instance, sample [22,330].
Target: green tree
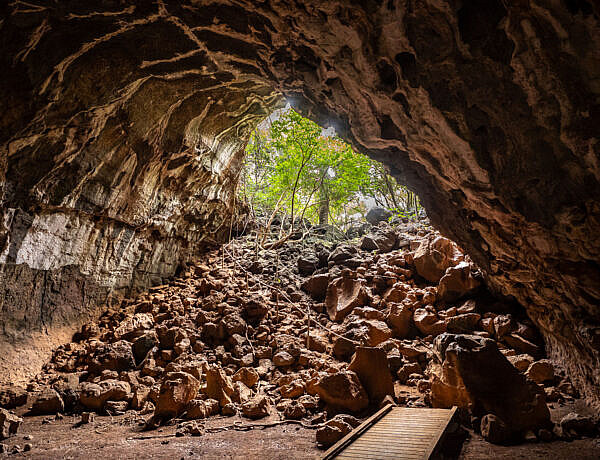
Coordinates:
[295,167]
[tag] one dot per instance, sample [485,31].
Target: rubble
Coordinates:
[9,424]
[225,338]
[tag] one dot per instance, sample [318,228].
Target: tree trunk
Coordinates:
[323,205]
[324,211]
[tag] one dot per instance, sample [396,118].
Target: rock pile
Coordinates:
[314,329]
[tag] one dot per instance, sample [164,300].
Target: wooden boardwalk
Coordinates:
[395,432]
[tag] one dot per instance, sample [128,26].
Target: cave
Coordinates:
[124,125]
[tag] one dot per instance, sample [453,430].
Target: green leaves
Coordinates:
[316,173]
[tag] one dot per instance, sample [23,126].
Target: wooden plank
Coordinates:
[395,433]
[434,442]
[392,454]
[339,446]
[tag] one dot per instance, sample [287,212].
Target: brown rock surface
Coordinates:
[470,372]
[94,396]
[47,402]
[257,407]
[456,283]
[9,424]
[12,396]
[109,138]
[433,257]
[218,385]
[343,391]
[343,295]
[371,367]
[177,389]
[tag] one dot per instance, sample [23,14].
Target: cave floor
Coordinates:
[121,437]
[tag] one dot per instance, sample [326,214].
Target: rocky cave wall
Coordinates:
[123,124]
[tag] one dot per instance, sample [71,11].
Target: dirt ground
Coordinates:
[122,438]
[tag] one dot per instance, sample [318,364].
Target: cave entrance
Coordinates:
[295,168]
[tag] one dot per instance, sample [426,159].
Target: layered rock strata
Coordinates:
[122,122]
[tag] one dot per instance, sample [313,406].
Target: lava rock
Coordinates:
[218,385]
[434,257]
[377,214]
[343,295]
[316,286]
[257,407]
[176,391]
[343,391]
[94,396]
[456,283]
[494,430]
[371,367]
[12,396]
[470,372]
[48,402]
[9,424]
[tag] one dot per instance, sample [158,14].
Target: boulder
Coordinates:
[470,372]
[343,348]
[307,264]
[241,393]
[169,336]
[465,323]
[503,325]
[140,396]
[368,243]
[522,345]
[370,332]
[257,407]
[577,425]
[371,367]
[9,424]
[397,293]
[283,359]
[47,402]
[134,326]
[143,344]
[494,430]
[400,319]
[176,391]
[342,253]
[343,391]
[218,385]
[197,409]
[377,214]
[343,295]
[292,390]
[247,375]
[294,411]
[407,370]
[117,356]
[335,429]
[316,286]
[12,396]
[428,323]
[521,362]
[317,343]
[434,257]
[116,407]
[456,283]
[383,241]
[541,371]
[94,395]
[254,310]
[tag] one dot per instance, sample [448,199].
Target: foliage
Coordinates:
[293,165]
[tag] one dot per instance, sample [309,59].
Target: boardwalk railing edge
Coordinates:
[346,440]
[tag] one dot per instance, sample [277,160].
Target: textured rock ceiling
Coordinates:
[123,125]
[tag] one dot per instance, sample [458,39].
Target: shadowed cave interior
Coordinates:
[122,136]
